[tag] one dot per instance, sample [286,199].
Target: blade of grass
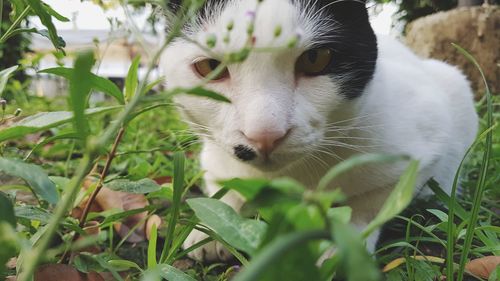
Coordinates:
[478,194]
[178,185]
[453,206]
[152,263]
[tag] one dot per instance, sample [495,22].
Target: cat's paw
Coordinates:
[210,252]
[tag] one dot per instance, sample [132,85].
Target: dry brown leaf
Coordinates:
[483,267]
[58,272]
[163,180]
[94,207]
[110,199]
[92,228]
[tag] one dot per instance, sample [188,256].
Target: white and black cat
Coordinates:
[296,112]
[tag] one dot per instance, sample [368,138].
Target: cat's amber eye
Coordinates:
[207,66]
[314,62]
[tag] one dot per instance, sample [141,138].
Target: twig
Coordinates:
[103,175]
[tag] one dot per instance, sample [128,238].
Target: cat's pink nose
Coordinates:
[266,141]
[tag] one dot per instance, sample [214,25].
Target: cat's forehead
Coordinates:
[275,23]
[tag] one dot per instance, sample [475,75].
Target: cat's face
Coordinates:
[282,98]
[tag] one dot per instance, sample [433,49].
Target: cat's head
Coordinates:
[283,98]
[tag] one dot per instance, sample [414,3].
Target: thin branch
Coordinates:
[104,173]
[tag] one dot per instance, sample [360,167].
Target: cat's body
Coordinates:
[285,124]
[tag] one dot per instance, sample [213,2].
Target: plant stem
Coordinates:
[14,25]
[103,175]
[1,20]
[34,256]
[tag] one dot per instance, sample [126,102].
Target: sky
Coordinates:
[90,16]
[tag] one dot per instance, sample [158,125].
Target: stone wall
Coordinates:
[476,29]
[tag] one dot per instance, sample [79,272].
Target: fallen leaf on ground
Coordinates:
[483,267]
[58,272]
[109,199]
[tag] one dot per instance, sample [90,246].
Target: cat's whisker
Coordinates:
[360,117]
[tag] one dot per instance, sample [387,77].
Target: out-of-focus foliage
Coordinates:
[12,51]
[410,10]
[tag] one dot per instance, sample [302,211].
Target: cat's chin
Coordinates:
[271,165]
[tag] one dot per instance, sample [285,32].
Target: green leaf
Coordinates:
[277,250]
[41,11]
[4,76]
[398,200]
[7,210]
[17,9]
[445,198]
[353,162]
[22,30]
[248,188]
[442,216]
[173,274]
[122,265]
[151,85]
[98,83]
[68,135]
[243,234]
[495,274]
[138,187]
[45,120]
[341,214]
[36,178]
[10,244]
[121,215]
[132,79]
[45,33]
[251,188]
[357,263]
[202,92]
[32,213]
[297,265]
[79,90]
[55,14]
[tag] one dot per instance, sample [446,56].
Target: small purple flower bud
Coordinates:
[295,39]
[299,33]
[250,15]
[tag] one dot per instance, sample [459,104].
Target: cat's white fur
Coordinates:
[413,106]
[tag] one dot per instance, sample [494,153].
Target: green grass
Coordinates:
[148,148]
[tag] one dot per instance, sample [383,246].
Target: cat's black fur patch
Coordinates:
[354,45]
[353,41]
[244,153]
